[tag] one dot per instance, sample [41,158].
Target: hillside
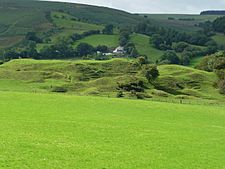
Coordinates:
[145,48]
[180,22]
[21,16]
[101,78]
[213,12]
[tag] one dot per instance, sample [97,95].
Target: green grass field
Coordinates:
[178,22]
[111,41]
[220,39]
[145,48]
[61,131]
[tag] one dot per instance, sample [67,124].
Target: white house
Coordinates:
[119,50]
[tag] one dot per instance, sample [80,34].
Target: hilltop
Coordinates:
[213,12]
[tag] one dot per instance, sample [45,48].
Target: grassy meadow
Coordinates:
[73,113]
[144,47]
[62,131]
[181,22]
[111,41]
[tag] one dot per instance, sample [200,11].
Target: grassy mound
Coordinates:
[180,80]
[102,78]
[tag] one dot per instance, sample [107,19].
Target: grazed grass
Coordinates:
[145,48]
[111,41]
[59,131]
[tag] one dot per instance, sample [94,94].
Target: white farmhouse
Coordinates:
[119,50]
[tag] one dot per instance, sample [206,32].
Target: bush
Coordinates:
[171,57]
[119,94]
[180,46]
[58,89]
[221,85]
[151,73]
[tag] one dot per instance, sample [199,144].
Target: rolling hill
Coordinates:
[180,22]
[21,16]
[101,78]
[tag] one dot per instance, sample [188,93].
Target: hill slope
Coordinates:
[21,16]
[101,78]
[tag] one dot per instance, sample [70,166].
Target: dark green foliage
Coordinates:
[185,59]
[170,57]
[11,54]
[61,50]
[221,85]
[131,50]
[213,62]
[219,24]
[180,46]
[102,48]
[108,30]
[124,37]
[214,12]
[207,28]
[84,49]
[31,36]
[221,81]
[142,60]
[157,40]
[77,36]
[151,73]
[59,89]
[163,38]
[132,87]
[120,94]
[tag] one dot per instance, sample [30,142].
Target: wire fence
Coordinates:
[189,101]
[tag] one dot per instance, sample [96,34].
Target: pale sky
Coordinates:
[157,6]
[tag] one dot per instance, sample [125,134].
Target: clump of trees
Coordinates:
[170,57]
[218,25]
[108,30]
[215,63]
[32,36]
[151,73]
[77,36]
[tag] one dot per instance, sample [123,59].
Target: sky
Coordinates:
[157,6]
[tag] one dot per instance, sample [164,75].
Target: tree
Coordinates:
[102,48]
[180,46]
[108,30]
[157,40]
[124,37]
[170,57]
[142,60]
[31,36]
[60,50]
[131,50]
[185,59]
[151,73]
[219,24]
[84,49]
[11,54]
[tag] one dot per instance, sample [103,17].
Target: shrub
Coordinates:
[171,57]
[59,89]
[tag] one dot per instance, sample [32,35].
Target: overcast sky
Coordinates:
[157,6]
